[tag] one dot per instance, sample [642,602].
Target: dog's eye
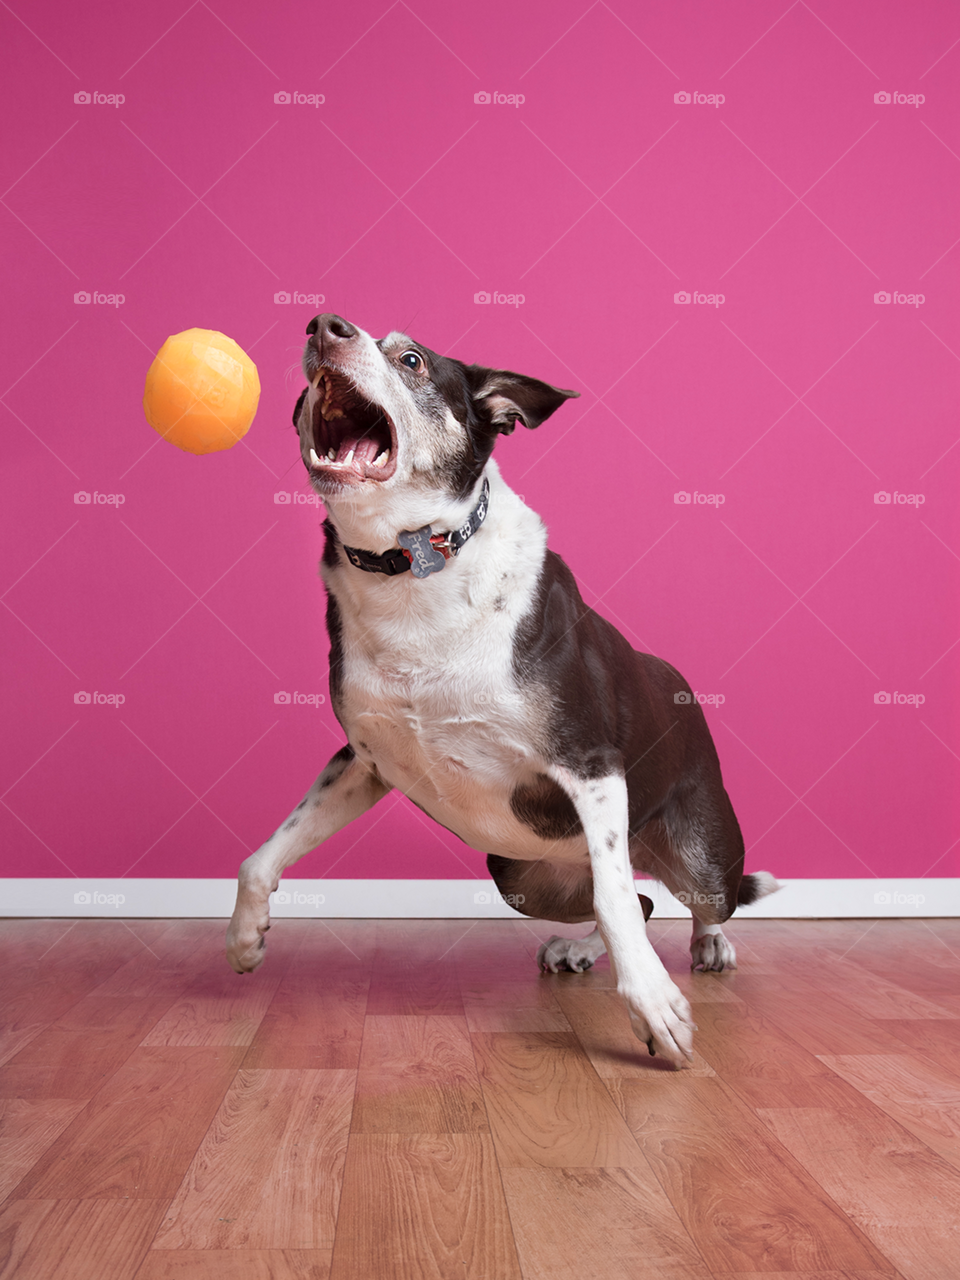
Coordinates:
[412,360]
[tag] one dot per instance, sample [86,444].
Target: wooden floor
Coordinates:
[412,1099]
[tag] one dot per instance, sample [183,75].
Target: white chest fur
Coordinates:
[429,692]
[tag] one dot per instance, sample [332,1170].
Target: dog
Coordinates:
[467,671]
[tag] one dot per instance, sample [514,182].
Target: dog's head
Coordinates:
[392,415]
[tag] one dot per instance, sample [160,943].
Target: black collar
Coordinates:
[420,550]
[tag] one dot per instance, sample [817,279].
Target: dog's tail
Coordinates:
[756,886]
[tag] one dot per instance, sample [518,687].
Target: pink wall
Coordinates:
[597,199]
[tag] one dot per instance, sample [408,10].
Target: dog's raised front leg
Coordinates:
[659,1012]
[344,790]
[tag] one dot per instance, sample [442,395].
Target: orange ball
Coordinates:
[202,391]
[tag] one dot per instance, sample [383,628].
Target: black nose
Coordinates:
[331,329]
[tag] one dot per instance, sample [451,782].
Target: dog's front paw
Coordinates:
[712,952]
[572,954]
[662,1020]
[246,943]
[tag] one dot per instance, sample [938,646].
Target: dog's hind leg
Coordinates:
[344,790]
[555,891]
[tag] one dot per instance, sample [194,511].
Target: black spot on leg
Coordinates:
[498,604]
[611,840]
[301,805]
[292,822]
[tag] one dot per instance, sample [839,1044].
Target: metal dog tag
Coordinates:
[424,557]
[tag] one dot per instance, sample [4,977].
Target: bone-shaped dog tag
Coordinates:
[424,557]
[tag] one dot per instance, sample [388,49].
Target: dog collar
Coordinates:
[420,550]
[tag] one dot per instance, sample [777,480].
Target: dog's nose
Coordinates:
[331,329]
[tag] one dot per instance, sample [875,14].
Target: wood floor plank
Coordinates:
[937,1040]
[737,1041]
[509,1003]
[27,1127]
[317,1027]
[916,1093]
[170,963]
[74,1056]
[547,1106]
[414,969]
[423,1207]
[236,1264]
[418,1075]
[137,1136]
[268,1172]
[79,1239]
[746,1204]
[613,1223]
[904,1196]
[811,1014]
[219,1008]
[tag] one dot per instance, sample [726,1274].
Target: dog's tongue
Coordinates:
[364,450]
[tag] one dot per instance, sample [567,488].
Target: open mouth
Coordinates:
[353,440]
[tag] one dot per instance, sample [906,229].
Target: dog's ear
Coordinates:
[508,398]
[298,406]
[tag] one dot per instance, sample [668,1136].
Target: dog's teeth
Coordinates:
[381,459]
[314,460]
[332,455]
[332,412]
[349,458]
[317,380]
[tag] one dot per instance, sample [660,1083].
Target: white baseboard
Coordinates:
[444,899]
